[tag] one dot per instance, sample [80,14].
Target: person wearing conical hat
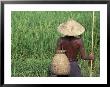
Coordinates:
[73,44]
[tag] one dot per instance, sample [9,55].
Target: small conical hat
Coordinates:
[71,28]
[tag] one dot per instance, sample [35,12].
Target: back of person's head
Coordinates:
[71,37]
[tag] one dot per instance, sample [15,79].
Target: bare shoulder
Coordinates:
[79,41]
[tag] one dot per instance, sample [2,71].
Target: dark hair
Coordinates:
[71,37]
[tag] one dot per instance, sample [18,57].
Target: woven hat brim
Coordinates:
[71,29]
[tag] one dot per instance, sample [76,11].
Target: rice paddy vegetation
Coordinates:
[34,36]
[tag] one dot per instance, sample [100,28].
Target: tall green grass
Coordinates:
[34,36]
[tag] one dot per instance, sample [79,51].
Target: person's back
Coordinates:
[72,45]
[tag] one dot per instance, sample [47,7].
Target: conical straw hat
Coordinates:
[71,28]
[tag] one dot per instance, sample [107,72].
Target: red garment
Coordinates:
[73,46]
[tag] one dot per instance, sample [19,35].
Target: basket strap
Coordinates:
[61,44]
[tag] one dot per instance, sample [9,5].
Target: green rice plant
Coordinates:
[34,37]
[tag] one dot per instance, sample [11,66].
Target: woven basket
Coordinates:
[60,64]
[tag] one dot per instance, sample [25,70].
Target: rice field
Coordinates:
[34,36]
